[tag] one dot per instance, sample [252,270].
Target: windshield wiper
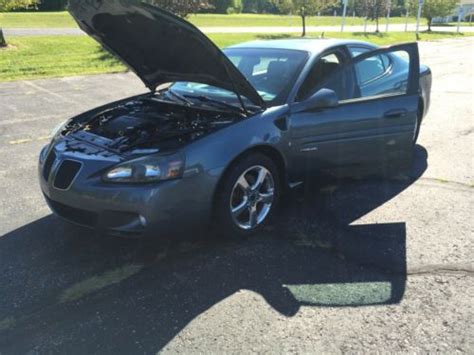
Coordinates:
[180,97]
[208,100]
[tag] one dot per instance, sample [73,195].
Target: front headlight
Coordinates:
[44,153]
[59,128]
[147,169]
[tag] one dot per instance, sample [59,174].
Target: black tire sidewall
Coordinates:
[223,215]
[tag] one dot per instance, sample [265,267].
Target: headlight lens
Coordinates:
[44,153]
[59,128]
[147,169]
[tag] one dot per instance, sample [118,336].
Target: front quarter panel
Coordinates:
[208,158]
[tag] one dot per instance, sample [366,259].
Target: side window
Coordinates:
[372,68]
[356,51]
[383,74]
[327,73]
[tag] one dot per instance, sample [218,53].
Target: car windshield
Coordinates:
[272,72]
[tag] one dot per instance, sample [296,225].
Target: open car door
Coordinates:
[375,118]
[388,81]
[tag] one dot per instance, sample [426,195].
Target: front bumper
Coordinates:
[120,209]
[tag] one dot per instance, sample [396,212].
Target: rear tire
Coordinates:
[248,196]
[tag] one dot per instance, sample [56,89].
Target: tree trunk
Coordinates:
[377,25]
[429,23]
[303,20]
[3,42]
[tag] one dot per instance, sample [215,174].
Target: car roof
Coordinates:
[311,45]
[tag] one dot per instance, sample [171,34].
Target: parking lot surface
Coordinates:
[362,265]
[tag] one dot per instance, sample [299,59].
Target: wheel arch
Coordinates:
[268,150]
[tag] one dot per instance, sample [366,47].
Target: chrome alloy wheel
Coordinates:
[252,197]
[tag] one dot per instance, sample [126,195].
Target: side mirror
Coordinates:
[323,98]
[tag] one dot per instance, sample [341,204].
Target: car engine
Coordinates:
[149,123]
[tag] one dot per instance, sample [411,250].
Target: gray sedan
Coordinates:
[222,134]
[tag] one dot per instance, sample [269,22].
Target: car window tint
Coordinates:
[317,75]
[386,61]
[382,74]
[382,64]
[271,71]
[370,69]
[329,73]
[332,58]
[356,51]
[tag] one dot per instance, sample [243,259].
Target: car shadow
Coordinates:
[65,289]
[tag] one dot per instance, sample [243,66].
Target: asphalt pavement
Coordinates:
[359,265]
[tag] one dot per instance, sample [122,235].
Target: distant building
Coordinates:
[465,7]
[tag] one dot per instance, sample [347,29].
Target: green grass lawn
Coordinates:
[56,56]
[36,19]
[63,19]
[51,56]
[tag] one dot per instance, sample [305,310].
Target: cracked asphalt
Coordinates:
[354,265]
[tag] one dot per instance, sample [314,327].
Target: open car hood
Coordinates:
[159,46]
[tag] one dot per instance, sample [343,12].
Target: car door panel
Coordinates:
[361,130]
[353,133]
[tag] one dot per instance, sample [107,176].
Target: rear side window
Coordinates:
[382,74]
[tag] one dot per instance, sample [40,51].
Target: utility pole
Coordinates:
[460,15]
[420,7]
[389,5]
[406,15]
[344,15]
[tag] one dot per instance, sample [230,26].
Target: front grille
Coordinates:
[48,164]
[67,171]
[72,214]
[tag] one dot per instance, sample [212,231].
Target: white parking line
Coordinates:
[39,88]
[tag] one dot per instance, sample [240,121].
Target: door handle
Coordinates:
[395,113]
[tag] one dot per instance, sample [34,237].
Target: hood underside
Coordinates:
[159,46]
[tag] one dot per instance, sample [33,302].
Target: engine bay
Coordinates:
[149,123]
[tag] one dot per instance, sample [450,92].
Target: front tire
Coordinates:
[248,196]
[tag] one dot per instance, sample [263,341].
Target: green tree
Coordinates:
[181,7]
[235,7]
[372,9]
[8,5]
[221,6]
[52,5]
[285,7]
[259,6]
[304,8]
[435,8]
